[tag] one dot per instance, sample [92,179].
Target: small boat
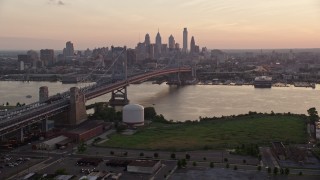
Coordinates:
[28,96]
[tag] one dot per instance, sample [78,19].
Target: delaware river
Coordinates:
[186,102]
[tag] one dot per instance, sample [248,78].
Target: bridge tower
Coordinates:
[43,93]
[78,112]
[119,97]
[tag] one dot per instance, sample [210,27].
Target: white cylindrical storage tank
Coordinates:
[133,114]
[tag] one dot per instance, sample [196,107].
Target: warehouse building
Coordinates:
[51,143]
[87,130]
[144,166]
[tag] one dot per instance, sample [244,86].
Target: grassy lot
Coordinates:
[258,129]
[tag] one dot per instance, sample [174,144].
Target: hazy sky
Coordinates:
[35,24]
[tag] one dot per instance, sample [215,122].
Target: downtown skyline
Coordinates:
[215,24]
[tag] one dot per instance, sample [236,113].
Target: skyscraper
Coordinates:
[185,40]
[147,45]
[158,45]
[69,50]
[47,57]
[192,46]
[147,39]
[171,42]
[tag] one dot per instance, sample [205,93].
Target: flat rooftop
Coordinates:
[143,163]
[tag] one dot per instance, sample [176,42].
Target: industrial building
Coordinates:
[87,130]
[144,166]
[133,115]
[51,143]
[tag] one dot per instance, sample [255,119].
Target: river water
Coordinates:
[187,102]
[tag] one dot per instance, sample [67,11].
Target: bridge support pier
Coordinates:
[77,112]
[44,125]
[20,136]
[119,97]
[43,93]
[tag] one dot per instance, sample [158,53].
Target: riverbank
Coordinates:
[229,132]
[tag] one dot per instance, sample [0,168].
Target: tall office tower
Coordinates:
[69,50]
[34,57]
[147,40]
[47,57]
[177,46]
[147,45]
[185,40]
[158,45]
[151,51]
[171,42]
[192,46]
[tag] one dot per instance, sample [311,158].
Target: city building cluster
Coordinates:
[143,51]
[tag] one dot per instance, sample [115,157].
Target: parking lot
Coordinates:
[71,167]
[13,164]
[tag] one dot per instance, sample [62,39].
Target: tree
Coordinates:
[156,155]
[275,170]
[300,173]
[111,153]
[204,158]
[149,113]
[281,171]
[7,104]
[82,147]
[225,159]
[211,165]
[287,171]
[173,155]
[61,171]
[188,156]
[259,168]
[313,115]
[244,161]
[141,154]
[269,170]
[179,164]
[235,168]
[227,165]
[194,163]
[184,162]
[313,118]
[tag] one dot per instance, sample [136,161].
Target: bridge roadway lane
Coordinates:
[26,118]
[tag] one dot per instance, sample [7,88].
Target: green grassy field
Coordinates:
[215,134]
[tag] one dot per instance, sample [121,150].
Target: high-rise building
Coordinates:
[177,46]
[131,56]
[158,45]
[151,51]
[47,57]
[192,46]
[171,42]
[34,57]
[147,45]
[68,51]
[141,53]
[25,61]
[185,40]
[147,39]
[164,49]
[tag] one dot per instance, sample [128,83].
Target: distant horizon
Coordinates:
[218,24]
[234,49]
